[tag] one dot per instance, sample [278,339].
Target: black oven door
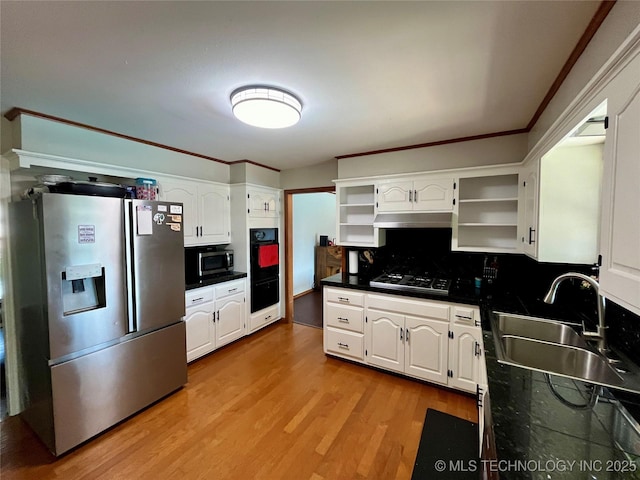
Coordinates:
[264,294]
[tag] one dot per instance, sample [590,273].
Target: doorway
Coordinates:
[309,213]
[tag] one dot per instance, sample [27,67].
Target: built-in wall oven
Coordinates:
[265,267]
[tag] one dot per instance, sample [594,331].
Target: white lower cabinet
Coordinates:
[214,316]
[264,317]
[430,340]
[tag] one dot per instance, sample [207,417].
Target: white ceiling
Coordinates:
[370,75]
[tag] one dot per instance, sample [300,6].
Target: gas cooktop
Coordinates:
[412,283]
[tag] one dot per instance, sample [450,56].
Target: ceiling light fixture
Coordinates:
[265,107]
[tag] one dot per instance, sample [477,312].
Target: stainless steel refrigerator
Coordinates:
[99,296]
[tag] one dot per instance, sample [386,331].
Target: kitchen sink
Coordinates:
[566,360]
[556,347]
[539,329]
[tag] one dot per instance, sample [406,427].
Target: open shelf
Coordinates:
[488,214]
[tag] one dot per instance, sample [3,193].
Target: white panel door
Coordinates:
[230,319]
[385,342]
[620,233]
[200,331]
[215,212]
[433,195]
[186,194]
[465,353]
[427,349]
[394,197]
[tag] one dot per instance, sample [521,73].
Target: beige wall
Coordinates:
[621,21]
[489,151]
[54,138]
[319,175]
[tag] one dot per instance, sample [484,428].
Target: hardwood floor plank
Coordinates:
[270,406]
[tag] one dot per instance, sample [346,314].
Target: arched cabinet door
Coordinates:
[427,348]
[433,195]
[385,343]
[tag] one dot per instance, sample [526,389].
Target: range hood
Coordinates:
[413,220]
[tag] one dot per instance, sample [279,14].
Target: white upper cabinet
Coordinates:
[206,210]
[263,202]
[355,204]
[486,214]
[530,208]
[423,195]
[620,229]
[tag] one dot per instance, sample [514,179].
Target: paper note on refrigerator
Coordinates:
[144,220]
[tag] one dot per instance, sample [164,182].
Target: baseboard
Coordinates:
[307,292]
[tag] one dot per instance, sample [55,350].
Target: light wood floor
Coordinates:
[271,406]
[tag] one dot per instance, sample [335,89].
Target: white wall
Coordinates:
[314,214]
[55,138]
[570,181]
[489,151]
[319,175]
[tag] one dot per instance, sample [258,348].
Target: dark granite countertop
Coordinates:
[214,279]
[536,435]
[461,291]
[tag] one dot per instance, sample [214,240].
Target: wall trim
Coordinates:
[17,111]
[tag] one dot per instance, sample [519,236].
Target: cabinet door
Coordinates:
[200,331]
[385,342]
[427,348]
[186,194]
[230,319]
[433,195]
[393,197]
[214,208]
[620,232]
[465,354]
[263,203]
[271,199]
[530,231]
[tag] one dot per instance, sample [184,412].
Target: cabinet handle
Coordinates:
[410,196]
[267,317]
[401,337]
[193,300]
[476,349]
[464,316]
[233,289]
[265,206]
[343,299]
[415,196]
[213,317]
[343,345]
[343,320]
[218,315]
[531,232]
[406,334]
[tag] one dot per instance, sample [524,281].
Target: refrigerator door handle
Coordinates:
[129,267]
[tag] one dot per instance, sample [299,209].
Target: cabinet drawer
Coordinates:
[229,288]
[344,316]
[198,296]
[465,315]
[344,343]
[264,317]
[419,308]
[344,297]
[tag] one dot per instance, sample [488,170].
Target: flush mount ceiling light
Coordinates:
[265,107]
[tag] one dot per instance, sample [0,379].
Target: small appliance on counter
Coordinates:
[206,261]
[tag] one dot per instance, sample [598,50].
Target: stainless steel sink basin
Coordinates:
[539,329]
[566,360]
[555,347]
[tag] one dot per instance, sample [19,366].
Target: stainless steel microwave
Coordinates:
[201,262]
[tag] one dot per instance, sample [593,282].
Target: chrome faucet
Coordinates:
[599,334]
